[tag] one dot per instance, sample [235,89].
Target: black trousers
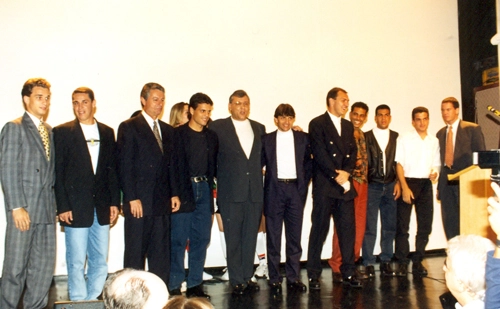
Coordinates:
[424,208]
[449,195]
[343,217]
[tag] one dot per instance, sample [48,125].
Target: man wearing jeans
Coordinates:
[383,191]
[87,194]
[195,149]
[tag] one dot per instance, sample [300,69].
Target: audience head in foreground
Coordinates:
[181,302]
[464,267]
[134,289]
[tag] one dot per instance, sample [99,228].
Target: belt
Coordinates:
[199,179]
[287,181]
[448,168]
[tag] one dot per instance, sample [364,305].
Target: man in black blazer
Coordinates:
[195,149]
[145,150]
[334,151]
[87,194]
[286,155]
[469,138]
[239,188]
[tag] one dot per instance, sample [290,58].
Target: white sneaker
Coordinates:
[225,275]
[261,271]
[253,279]
[183,286]
[207,276]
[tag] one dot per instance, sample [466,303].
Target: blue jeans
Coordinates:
[380,196]
[92,244]
[193,226]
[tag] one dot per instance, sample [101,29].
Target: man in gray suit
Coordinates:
[240,195]
[27,173]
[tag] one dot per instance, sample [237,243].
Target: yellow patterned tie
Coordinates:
[45,138]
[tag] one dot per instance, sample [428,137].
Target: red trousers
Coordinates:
[360,222]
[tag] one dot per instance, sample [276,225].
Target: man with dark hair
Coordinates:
[240,193]
[195,149]
[27,174]
[418,165]
[145,159]
[334,151]
[383,191]
[470,139]
[87,194]
[359,111]
[286,155]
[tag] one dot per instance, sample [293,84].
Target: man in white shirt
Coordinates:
[418,165]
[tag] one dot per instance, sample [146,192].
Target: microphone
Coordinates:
[493,110]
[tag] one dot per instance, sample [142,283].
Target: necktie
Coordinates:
[157,136]
[448,157]
[45,139]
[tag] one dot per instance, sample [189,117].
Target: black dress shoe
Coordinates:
[238,289]
[276,288]
[296,286]
[370,271]
[386,270]
[252,287]
[196,291]
[175,292]
[402,270]
[337,277]
[353,282]
[314,284]
[361,275]
[418,269]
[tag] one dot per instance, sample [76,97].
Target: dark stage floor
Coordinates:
[387,293]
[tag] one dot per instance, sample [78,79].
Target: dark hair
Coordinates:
[199,98]
[359,105]
[86,90]
[32,83]
[417,110]
[332,94]
[239,94]
[452,100]
[148,87]
[382,106]
[284,109]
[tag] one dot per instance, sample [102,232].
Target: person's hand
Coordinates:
[66,217]
[342,177]
[176,203]
[397,190]
[433,175]
[297,128]
[21,219]
[113,215]
[136,208]
[494,209]
[408,196]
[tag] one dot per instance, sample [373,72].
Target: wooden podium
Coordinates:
[474,192]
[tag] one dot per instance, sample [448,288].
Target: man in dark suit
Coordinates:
[240,193]
[469,137]
[334,151]
[145,150]
[195,149]
[87,194]
[286,155]
[27,173]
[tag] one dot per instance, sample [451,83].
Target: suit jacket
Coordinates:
[303,165]
[188,203]
[78,189]
[27,176]
[145,172]
[332,152]
[238,177]
[469,139]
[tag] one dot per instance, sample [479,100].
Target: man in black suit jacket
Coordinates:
[195,164]
[145,150]
[240,188]
[334,151]
[469,138]
[87,194]
[286,155]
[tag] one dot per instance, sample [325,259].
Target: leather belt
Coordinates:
[199,179]
[287,181]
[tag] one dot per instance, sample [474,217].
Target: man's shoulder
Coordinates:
[64,126]
[105,127]
[217,124]
[468,125]
[319,119]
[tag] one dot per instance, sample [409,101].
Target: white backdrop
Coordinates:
[400,53]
